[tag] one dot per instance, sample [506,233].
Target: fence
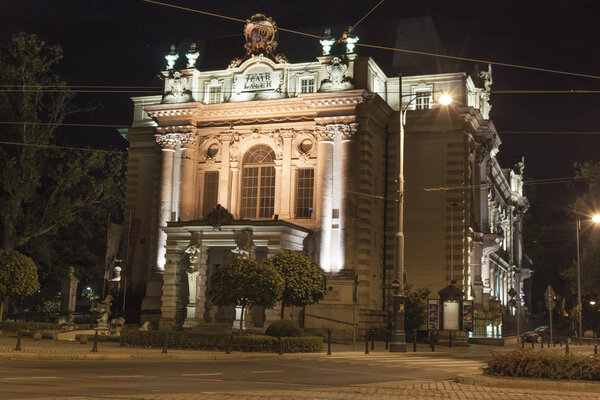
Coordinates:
[500,324]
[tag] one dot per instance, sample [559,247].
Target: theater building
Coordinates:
[266,155]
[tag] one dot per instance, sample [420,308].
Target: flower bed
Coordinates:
[15,326]
[247,343]
[544,364]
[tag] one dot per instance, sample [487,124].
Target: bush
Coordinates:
[12,326]
[246,343]
[284,328]
[544,364]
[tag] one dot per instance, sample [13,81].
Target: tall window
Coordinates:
[423,100]
[307,85]
[214,94]
[258,183]
[211,191]
[304,192]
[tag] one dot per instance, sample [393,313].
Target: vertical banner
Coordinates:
[433,315]
[467,315]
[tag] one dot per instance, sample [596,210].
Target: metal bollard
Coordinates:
[595,349]
[328,342]
[415,341]
[121,340]
[542,343]
[522,344]
[280,345]
[18,346]
[450,340]
[164,343]
[228,349]
[95,345]
[533,345]
[387,344]
[372,343]
[366,343]
[567,348]
[432,343]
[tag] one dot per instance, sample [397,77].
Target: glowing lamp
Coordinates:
[445,99]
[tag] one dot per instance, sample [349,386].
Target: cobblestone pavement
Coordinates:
[387,391]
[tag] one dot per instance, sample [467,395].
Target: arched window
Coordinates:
[258,183]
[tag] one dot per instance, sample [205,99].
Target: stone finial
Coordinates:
[350,39]
[327,42]
[71,272]
[171,57]
[192,56]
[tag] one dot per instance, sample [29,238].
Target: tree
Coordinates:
[18,276]
[42,187]
[304,282]
[415,307]
[245,283]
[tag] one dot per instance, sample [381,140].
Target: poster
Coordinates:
[433,315]
[451,315]
[467,314]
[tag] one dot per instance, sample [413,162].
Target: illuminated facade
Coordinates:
[266,155]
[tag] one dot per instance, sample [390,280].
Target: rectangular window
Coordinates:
[423,100]
[304,193]
[214,94]
[211,191]
[307,85]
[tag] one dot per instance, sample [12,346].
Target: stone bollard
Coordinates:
[328,342]
[567,348]
[432,342]
[366,343]
[522,344]
[533,345]
[415,341]
[387,344]
[450,340]
[228,350]
[542,343]
[164,343]
[95,345]
[280,345]
[121,340]
[18,346]
[595,349]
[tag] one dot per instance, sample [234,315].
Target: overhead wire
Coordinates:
[424,53]
[62,147]
[365,16]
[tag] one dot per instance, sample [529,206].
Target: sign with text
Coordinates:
[451,315]
[258,81]
[467,315]
[433,315]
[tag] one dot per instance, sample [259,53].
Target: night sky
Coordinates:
[110,42]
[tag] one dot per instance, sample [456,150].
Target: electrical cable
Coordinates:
[62,147]
[365,16]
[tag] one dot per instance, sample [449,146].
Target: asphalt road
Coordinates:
[34,379]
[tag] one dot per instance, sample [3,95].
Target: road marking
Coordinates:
[206,380]
[31,377]
[122,376]
[266,372]
[208,374]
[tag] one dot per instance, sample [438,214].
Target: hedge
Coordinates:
[15,326]
[247,343]
[544,364]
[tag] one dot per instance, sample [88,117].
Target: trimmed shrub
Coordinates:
[284,328]
[544,364]
[15,326]
[246,343]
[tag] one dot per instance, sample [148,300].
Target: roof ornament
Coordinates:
[260,33]
[171,57]
[192,56]
[327,42]
[350,39]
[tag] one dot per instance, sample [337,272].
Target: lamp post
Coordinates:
[398,342]
[595,220]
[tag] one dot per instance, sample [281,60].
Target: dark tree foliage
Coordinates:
[245,283]
[304,281]
[18,276]
[53,201]
[415,308]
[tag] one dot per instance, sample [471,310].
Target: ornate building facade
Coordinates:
[267,155]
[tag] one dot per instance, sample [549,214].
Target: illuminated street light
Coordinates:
[398,342]
[592,302]
[595,219]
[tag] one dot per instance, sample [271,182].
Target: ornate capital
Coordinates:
[330,131]
[172,139]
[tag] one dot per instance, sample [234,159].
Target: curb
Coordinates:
[14,356]
[478,379]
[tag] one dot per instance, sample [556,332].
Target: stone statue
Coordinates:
[337,76]
[145,327]
[219,216]
[116,325]
[102,311]
[244,244]
[176,89]
[67,324]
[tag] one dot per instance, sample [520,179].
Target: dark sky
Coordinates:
[122,42]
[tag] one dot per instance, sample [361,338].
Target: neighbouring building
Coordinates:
[266,155]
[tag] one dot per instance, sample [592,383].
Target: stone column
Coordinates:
[346,136]
[196,274]
[171,285]
[164,205]
[325,191]
[68,288]
[188,185]
[235,190]
[224,171]
[287,194]
[278,188]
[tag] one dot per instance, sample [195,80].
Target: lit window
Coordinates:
[423,100]
[304,193]
[307,85]
[258,183]
[214,94]
[211,191]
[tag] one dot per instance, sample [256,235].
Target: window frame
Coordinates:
[308,197]
[307,78]
[258,178]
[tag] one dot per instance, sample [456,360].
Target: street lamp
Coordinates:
[595,220]
[398,342]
